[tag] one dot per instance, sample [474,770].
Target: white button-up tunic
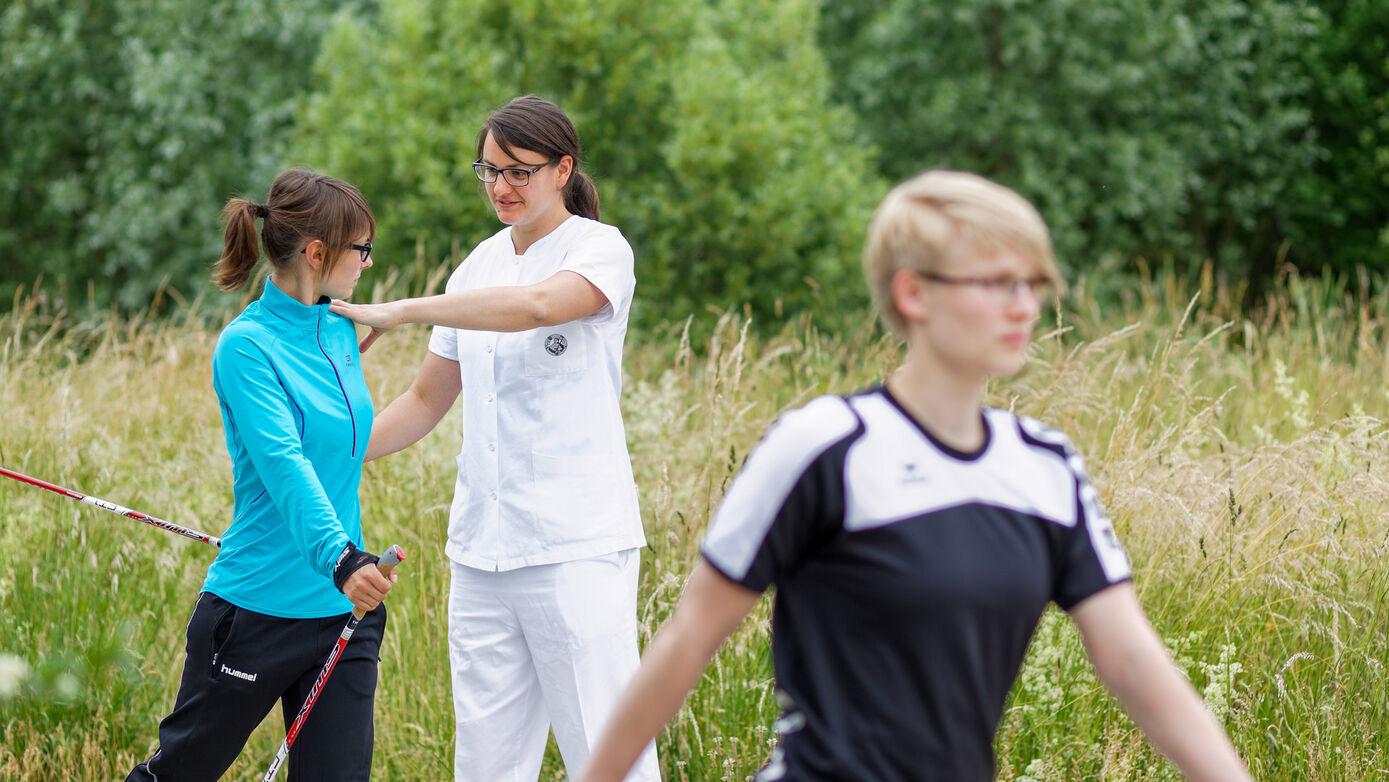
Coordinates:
[544,475]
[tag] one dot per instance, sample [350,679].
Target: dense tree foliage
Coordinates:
[1163,128]
[739,145]
[128,124]
[707,127]
[1343,218]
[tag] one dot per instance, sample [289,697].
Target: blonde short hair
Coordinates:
[926,217]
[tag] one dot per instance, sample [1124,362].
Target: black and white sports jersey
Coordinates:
[909,578]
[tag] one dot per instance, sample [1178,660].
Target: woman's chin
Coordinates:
[1008,367]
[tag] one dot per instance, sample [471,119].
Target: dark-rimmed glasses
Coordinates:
[364,249]
[516,177]
[1003,286]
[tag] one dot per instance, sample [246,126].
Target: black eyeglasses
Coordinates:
[1002,287]
[364,249]
[516,177]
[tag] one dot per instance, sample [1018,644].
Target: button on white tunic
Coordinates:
[544,475]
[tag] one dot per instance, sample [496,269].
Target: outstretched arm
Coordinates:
[710,609]
[1134,664]
[561,298]
[413,414]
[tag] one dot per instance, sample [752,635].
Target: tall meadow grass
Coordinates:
[1241,455]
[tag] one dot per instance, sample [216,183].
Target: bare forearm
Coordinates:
[1133,663]
[403,423]
[485,309]
[1167,709]
[414,413]
[563,297]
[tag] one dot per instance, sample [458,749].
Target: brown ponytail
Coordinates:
[536,124]
[240,250]
[302,206]
[580,195]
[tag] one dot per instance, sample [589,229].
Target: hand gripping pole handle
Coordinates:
[393,556]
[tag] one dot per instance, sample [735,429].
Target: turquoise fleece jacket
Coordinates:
[297,416]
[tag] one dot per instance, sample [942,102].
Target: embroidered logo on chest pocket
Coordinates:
[556,344]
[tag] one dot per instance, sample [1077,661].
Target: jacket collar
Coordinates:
[290,310]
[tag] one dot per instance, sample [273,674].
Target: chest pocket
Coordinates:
[555,350]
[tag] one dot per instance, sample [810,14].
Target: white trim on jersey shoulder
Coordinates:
[1114,560]
[791,444]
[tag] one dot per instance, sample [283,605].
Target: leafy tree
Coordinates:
[1167,128]
[127,125]
[1343,215]
[707,126]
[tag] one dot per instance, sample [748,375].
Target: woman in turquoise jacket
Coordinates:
[297,417]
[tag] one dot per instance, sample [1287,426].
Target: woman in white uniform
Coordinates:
[544,530]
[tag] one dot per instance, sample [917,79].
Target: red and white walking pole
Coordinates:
[394,556]
[113,507]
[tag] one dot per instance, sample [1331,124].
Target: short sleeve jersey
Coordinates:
[544,475]
[909,579]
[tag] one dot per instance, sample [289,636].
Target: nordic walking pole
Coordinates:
[113,507]
[394,555]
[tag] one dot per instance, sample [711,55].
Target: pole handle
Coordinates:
[386,563]
[393,556]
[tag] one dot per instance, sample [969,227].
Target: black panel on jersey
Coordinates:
[909,581]
[817,503]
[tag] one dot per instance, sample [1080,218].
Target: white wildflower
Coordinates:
[67,687]
[1035,771]
[1300,401]
[13,672]
[1220,681]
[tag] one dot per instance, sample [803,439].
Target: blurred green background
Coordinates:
[739,145]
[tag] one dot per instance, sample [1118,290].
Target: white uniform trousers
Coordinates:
[540,648]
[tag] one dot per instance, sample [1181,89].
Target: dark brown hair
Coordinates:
[302,206]
[536,124]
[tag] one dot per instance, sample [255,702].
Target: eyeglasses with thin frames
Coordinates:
[364,249]
[516,177]
[1003,286]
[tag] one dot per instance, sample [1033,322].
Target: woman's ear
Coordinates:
[563,169]
[908,289]
[313,254]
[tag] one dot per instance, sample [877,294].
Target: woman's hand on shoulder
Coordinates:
[380,318]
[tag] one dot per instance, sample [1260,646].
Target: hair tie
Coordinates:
[262,210]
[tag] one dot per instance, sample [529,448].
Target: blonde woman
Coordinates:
[914,535]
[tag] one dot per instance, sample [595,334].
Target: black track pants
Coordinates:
[239,663]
